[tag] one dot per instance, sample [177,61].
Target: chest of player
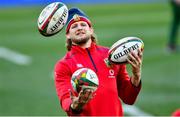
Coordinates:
[97,62]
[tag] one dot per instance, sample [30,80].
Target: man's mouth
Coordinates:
[80,33]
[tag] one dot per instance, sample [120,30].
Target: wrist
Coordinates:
[135,81]
[74,110]
[76,106]
[72,106]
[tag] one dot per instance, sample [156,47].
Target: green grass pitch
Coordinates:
[30,90]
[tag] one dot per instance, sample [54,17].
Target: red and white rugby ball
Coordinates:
[52,18]
[119,51]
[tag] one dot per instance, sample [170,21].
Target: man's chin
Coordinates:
[81,41]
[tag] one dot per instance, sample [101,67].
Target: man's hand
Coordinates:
[83,98]
[136,62]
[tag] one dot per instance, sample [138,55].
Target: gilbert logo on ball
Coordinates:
[84,78]
[52,19]
[119,51]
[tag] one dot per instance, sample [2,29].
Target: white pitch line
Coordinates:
[134,111]
[14,56]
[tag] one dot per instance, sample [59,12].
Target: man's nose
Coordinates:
[80,27]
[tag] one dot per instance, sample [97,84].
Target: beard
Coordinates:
[78,40]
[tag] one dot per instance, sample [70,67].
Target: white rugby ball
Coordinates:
[52,19]
[119,51]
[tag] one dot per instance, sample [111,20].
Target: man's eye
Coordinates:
[74,26]
[83,24]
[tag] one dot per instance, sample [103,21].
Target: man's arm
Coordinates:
[129,87]
[63,85]
[71,102]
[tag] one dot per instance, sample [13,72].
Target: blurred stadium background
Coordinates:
[27,58]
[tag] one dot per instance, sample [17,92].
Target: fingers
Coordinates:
[140,53]
[85,95]
[71,94]
[135,59]
[79,101]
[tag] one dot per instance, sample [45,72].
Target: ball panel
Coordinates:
[92,78]
[57,23]
[48,19]
[46,14]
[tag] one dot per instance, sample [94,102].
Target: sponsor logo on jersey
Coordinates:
[79,65]
[111,74]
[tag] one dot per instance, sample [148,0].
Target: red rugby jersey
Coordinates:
[114,82]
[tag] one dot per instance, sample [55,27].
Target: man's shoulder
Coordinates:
[102,48]
[69,55]
[65,60]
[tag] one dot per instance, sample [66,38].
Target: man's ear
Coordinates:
[67,36]
[92,30]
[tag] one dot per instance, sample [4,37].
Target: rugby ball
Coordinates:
[52,18]
[84,78]
[119,51]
